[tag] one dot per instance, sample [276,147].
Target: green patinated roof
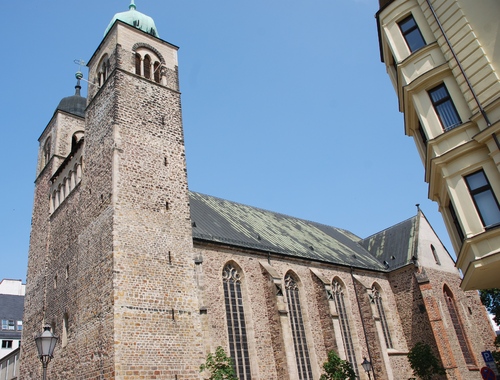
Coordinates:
[221,221]
[396,246]
[135,19]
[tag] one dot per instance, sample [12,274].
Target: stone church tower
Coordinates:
[108,269]
[142,278]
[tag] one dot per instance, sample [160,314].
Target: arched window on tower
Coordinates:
[298,330]
[138,63]
[458,326]
[377,300]
[157,67]
[236,326]
[338,296]
[103,70]
[46,151]
[147,67]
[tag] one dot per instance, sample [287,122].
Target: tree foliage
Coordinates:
[491,299]
[220,366]
[423,362]
[337,369]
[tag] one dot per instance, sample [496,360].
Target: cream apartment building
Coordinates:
[442,57]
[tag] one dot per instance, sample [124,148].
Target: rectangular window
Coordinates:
[8,324]
[444,107]
[6,343]
[411,33]
[484,199]
[19,325]
[456,223]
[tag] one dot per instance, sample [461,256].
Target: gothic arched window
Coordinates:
[298,331]
[458,326]
[236,326]
[103,70]
[377,299]
[338,296]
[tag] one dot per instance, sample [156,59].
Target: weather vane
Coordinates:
[80,63]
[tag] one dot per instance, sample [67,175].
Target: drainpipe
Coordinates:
[481,109]
[363,323]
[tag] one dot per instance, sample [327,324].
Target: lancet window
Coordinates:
[298,331]
[103,70]
[236,326]
[377,299]
[338,296]
[458,326]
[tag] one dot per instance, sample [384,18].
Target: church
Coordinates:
[141,278]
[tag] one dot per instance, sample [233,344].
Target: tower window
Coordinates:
[298,331]
[411,33]
[444,107]
[147,67]
[484,199]
[138,63]
[236,326]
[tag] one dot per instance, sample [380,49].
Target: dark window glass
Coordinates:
[138,64]
[459,329]
[434,253]
[147,67]
[411,33]
[298,331]
[6,343]
[338,296]
[423,136]
[157,72]
[236,327]
[484,199]
[444,107]
[456,223]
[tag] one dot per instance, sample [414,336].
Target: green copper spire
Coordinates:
[136,19]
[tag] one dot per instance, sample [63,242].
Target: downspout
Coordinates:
[363,324]
[481,109]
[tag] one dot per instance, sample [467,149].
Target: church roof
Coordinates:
[75,104]
[136,19]
[395,246]
[222,221]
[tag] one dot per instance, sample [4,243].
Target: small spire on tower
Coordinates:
[132,5]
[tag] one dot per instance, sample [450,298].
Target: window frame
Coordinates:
[436,104]
[298,328]
[410,31]
[236,325]
[481,191]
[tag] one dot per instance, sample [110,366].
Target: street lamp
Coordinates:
[45,344]
[367,366]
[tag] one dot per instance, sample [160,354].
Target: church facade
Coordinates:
[140,277]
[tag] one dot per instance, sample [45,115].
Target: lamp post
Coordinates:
[367,366]
[45,344]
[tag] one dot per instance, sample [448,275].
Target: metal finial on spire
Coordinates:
[132,5]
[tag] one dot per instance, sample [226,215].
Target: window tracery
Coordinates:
[236,326]
[298,331]
[377,299]
[338,295]
[458,326]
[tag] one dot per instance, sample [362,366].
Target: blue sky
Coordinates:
[286,107]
